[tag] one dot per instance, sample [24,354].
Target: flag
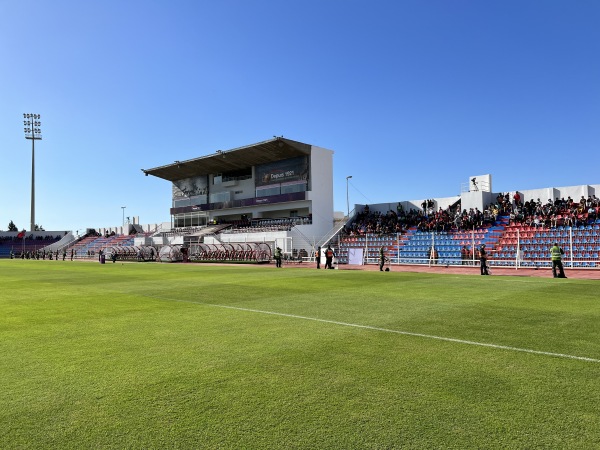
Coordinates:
[21,235]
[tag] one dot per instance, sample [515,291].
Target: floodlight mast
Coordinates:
[33,131]
[348,198]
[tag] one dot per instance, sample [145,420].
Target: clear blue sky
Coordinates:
[413,96]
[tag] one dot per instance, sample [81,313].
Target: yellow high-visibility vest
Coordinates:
[556,254]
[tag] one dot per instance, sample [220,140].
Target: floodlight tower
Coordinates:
[348,198]
[32,124]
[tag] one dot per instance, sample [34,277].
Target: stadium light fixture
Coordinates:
[347,197]
[32,128]
[123,208]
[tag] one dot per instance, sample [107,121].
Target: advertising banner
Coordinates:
[355,256]
[190,187]
[293,169]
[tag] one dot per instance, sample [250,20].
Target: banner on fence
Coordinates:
[355,256]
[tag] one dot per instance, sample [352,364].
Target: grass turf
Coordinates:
[178,356]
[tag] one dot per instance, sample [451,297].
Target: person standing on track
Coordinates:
[329,257]
[277,257]
[483,260]
[556,253]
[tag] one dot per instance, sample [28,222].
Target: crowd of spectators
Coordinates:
[426,219]
[532,213]
[29,237]
[560,212]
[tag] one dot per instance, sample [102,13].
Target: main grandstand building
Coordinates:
[278,190]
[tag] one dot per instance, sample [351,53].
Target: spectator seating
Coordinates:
[525,245]
[266,225]
[530,246]
[413,247]
[24,245]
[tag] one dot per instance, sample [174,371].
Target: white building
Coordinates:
[277,179]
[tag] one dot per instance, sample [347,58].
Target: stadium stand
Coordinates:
[31,243]
[239,204]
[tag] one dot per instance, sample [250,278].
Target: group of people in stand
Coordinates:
[556,212]
[427,219]
[551,214]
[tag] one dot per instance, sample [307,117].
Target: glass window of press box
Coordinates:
[189,201]
[282,188]
[190,219]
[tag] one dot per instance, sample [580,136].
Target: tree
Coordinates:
[38,228]
[12,226]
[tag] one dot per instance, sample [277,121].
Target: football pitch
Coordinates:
[195,356]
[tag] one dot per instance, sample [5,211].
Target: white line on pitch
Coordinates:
[385,330]
[407,333]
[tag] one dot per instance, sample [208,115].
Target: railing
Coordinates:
[529,249]
[158,229]
[334,231]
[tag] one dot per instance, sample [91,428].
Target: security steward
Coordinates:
[483,260]
[556,253]
[381,258]
[329,257]
[318,257]
[277,257]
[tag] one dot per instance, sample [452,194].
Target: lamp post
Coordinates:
[123,208]
[31,126]
[348,198]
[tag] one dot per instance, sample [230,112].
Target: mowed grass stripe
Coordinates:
[409,333]
[492,315]
[386,330]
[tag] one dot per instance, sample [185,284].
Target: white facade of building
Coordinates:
[271,181]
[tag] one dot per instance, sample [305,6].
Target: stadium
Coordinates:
[300,225]
[239,205]
[185,335]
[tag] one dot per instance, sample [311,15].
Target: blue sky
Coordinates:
[413,96]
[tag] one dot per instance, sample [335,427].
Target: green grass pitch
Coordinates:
[193,356]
